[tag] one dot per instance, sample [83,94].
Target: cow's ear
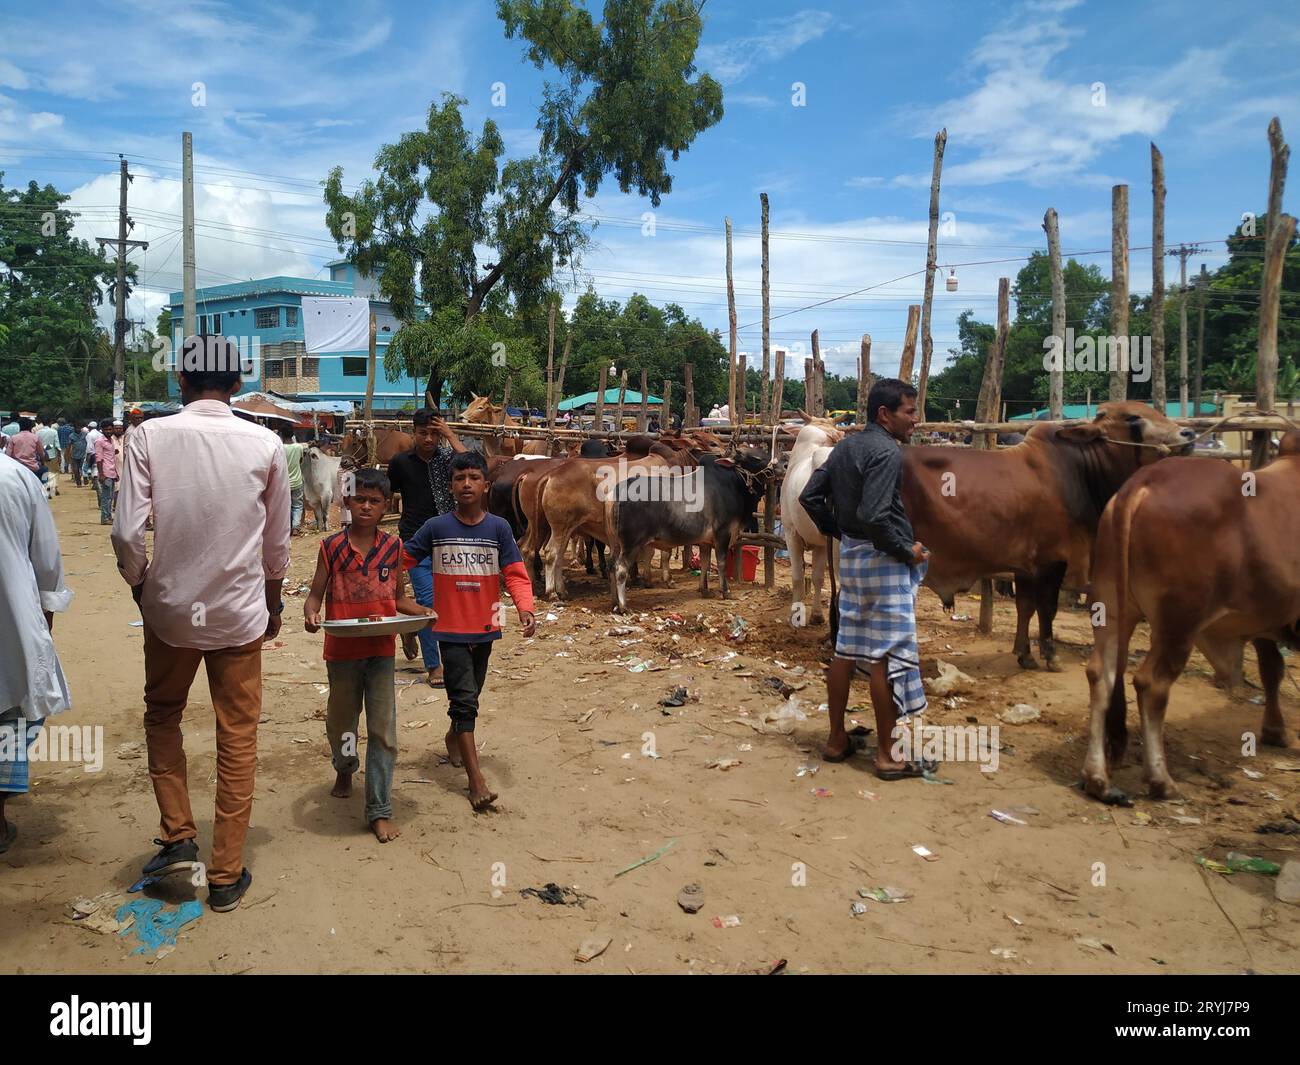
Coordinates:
[724,462]
[1081,434]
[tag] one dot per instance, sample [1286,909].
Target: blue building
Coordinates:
[270,311]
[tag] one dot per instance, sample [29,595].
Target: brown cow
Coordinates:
[1209,555]
[389,443]
[1032,509]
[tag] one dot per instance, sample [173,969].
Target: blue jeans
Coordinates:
[107,489]
[422,585]
[370,679]
[295,508]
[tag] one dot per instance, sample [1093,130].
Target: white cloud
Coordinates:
[11,77]
[43,120]
[732,60]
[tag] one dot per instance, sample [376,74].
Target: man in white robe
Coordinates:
[32,685]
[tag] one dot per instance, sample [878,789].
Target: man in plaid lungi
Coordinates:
[880,569]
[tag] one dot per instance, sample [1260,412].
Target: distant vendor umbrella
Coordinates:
[631,398]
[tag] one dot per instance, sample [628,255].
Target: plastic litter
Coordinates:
[925,853]
[154,925]
[950,680]
[592,947]
[1244,863]
[730,921]
[857,909]
[783,719]
[1006,953]
[739,630]
[1020,714]
[1006,819]
[884,894]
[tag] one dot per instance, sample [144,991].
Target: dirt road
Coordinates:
[1079,888]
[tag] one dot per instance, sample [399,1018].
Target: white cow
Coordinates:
[320,483]
[811,449]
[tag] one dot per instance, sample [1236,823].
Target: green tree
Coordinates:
[627,97]
[51,347]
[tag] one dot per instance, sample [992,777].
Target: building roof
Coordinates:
[1082,410]
[631,398]
[294,286]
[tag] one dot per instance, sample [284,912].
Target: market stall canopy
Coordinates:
[256,405]
[631,398]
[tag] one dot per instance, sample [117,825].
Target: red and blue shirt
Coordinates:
[468,564]
[360,588]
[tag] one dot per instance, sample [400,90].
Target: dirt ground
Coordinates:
[561,734]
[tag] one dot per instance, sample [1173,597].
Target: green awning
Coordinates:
[631,398]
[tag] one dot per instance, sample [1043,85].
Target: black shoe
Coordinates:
[173,858]
[225,897]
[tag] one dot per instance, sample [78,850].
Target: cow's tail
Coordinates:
[1116,725]
[540,530]
[516,506]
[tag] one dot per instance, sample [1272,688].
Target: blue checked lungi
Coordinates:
[878,618]
[14,741]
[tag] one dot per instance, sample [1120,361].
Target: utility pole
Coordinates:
[120,323]
[187,237]
[1183,251]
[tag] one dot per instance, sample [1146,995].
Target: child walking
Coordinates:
[471,551]
[359,574]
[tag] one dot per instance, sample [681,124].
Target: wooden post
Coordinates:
[731,318]
[666,411]
[643,419]
[1182,328]
[1281,228]
[905,364]
[932,249]
[818,373]
[1119,289]
[1056,378]
[1158,398]
[550,364]
[778,388]
[769,500]
[505,398]
[564,364]
[767,349]
[741,365]
[1200,341]
[864,378]
[371,443]
[990,403]
[622,394]
[808,385]
[688,419]
[600,396]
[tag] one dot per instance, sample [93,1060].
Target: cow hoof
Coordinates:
[1162,789]
[1053,666]
[1115,797]
[1274,737]
[1027,661]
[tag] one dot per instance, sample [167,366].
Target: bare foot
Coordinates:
[384,829]
[342,786]
[453,749]
[480,795]
[435,678]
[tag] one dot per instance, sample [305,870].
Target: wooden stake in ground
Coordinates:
[689,371]
[808,385]
[778,388]
[742,362]
[1056,378]
[643,419]
[1281,228]
[371,444]
[1158,399]
[1200,340]
[564,362]
[1182,329]
[600,398]
[932,250]
[987,410]
[905,364]
[769,501]
[622,395]
[819,406]
[666,410]
[1119,291]
[864,378]
[505,399]
[731,319]
[550,364]
[767,348]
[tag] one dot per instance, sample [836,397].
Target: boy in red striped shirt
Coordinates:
[359,574]
[471,552]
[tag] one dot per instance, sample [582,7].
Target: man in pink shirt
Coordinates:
[25,447]
[107,468]
[219,490]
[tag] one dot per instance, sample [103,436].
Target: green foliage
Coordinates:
[53,355]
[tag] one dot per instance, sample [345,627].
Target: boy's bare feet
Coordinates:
[480,795]
[384,829]
[453,749]
[435,678]
[342,786]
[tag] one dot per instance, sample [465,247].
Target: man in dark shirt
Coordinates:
[881,566]
[422,476]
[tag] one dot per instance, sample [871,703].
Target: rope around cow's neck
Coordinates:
[1165,449]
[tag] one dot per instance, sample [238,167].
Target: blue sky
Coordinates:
[290,92]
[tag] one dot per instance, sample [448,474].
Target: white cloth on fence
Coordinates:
[335,323]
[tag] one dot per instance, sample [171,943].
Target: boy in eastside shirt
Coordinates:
[471,551]
[359,574]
